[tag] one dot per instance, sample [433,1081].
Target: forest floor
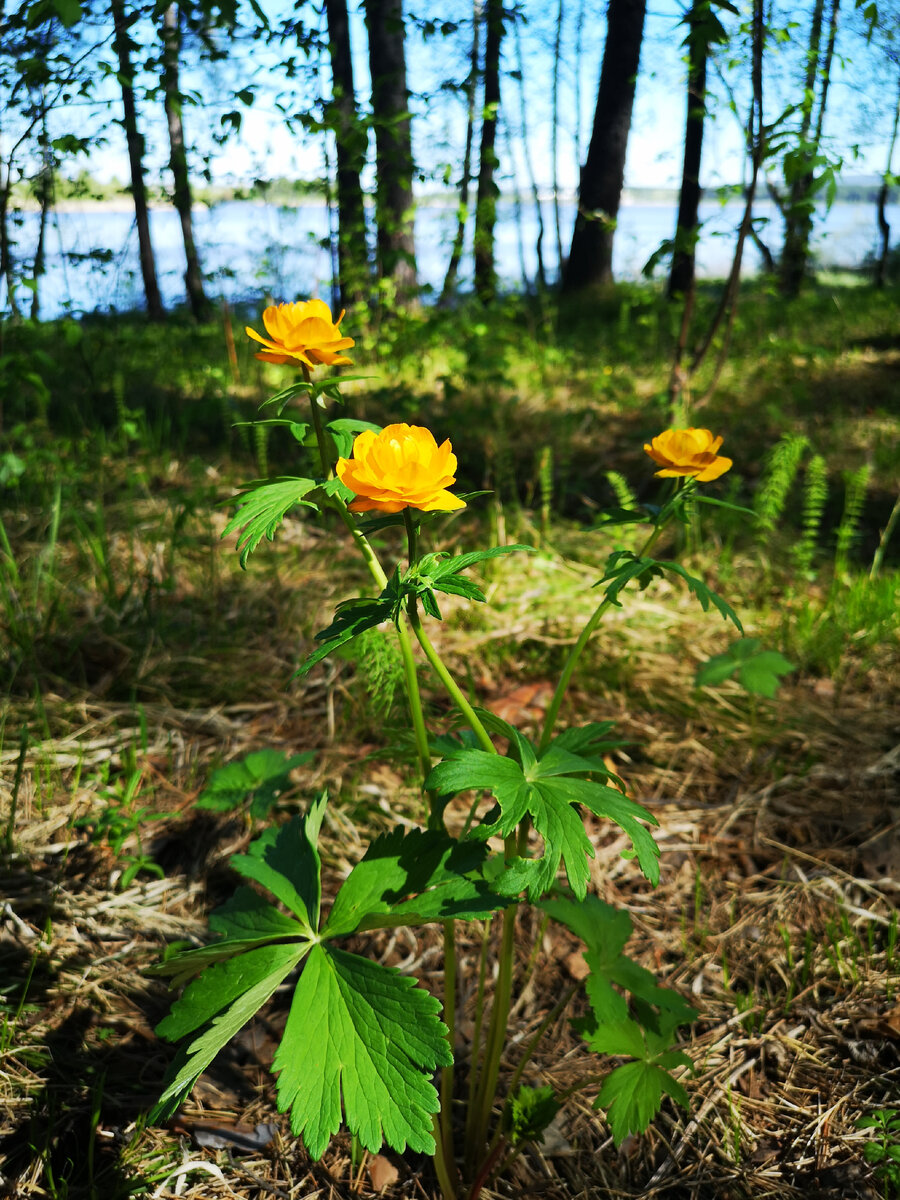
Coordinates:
[137,657]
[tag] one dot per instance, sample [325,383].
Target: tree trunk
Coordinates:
[393,145]
[554,134]
[193,276]
[799,205]
[122,43]
[541,277]
[681,276]
[6,255]
[466,177]
[883,192]
[603,174]
[486,204]
[350,152]
[45,200]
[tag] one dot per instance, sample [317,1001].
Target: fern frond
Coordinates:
[780,471]
[815,494]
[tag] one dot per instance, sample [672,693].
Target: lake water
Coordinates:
[250,251]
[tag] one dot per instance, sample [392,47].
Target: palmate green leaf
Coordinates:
[440,572]
[223,999]
[244,922]
[365,1036]
[623,567]
[262,509]
[263,774]
[632,1095]
[285,861]
[411,878]
[541,788]
[352,618]
[528,1114]
[757,670]
[605,931]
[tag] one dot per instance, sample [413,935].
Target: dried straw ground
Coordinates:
[776,912]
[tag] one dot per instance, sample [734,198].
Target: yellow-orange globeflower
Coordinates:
[302,332]
[691,452]
[401,467]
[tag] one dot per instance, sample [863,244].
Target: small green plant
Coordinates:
[883,1152]
[815,495]
[118,824]
[259,777]
[855,484]
[779,474]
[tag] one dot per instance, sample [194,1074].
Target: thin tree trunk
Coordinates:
[799,203]
[681,276]
[486,204]
[350,152]
[541,278]
[6,257]
[681,376]
[465,180]
[393,145]
[45,199]
[122,43]
[193,276]
[554,133]
[603,174]
[883,192]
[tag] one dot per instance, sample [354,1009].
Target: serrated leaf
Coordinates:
[528,1114]
[262,509]
[362,1037]
[547,795]
[632,1095]
[410,879]
[285,861]
[263,774]
[605,930]
[623,567]
[352,618]
[757,670]
[226,995]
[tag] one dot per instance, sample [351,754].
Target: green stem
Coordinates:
[447,1074]
[576,652]
[317,423]
[490,1075]
[448,681]
[445,1181]
[475,1062]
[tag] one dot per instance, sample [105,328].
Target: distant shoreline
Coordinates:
[849,193]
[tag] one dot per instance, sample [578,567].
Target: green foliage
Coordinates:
[440,572]
[858,617]
[756,669]
[261,776]
[118,824]
[855,483]
[780,471]
[884,1152]
[642,1029]
[261,509]
[364,1036]
[360,1037]
[623,566]
[815,495]
[379,668]
[548,788]
[528,1113]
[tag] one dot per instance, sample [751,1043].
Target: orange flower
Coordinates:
[302,333]
[401,467]
[688,452]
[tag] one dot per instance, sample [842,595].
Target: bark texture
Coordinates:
[350,148]
[681,276]
[486,204]
[393,145]
[122,22]
[178,164]
[603,174]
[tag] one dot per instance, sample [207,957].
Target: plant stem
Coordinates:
[447,1074]
[487,1084]
[449,682]
[576,652]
